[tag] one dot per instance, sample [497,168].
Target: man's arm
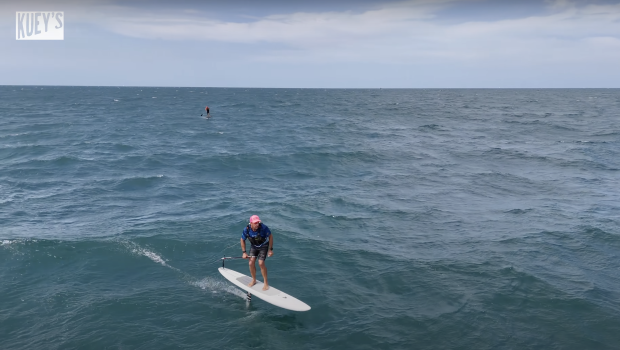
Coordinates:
[243,247]
[270,253]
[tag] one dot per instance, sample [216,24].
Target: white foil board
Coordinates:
[272,295]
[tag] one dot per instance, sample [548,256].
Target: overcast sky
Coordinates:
[320,43]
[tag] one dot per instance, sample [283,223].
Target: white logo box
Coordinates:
[39,25]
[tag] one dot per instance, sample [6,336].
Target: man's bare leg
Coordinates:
[252,271]
[263,270]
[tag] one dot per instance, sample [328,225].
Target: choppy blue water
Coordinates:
[407,219]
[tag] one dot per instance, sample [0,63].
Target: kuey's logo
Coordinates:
[40,25]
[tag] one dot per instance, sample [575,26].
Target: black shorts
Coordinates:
[261,252]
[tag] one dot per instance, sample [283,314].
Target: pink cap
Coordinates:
[254,219]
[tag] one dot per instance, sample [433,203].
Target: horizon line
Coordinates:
[312,88]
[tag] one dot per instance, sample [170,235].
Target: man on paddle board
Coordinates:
[261,241]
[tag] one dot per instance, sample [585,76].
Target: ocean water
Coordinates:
[407,219]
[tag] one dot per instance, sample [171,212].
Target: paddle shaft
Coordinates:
[236,257]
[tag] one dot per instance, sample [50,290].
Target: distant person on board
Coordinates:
[208,112]
[261,241]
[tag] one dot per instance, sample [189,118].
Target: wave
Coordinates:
[433,127]
[216,286]
[14,135]
[58,162]
[12,152]
[600,235]
[519,211]
[138,183]
[65,161]
[538,123]
[7,242]
[206,283]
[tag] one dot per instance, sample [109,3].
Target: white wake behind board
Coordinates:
[272,295]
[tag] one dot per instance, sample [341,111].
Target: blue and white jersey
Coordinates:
[257,238]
